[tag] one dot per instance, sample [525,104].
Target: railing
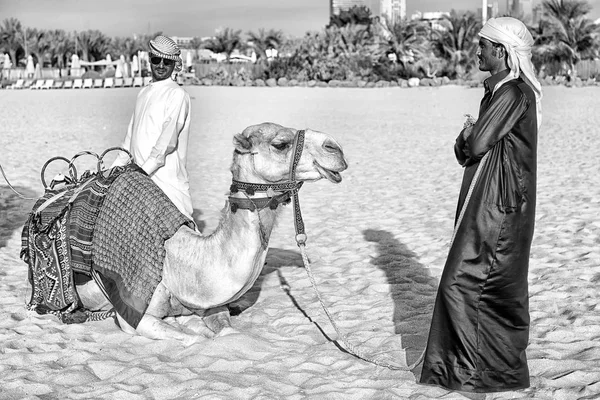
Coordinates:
[12,74]
[587,69]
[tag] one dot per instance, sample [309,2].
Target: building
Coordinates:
[433,18]
[182,41]
[529,11]
[335,6]
[491,10]
[395,10]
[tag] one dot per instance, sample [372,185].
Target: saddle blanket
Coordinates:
[116,225]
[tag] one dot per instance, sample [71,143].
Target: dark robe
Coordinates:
[480,325]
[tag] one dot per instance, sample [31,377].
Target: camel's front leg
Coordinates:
[218,320]
[152,325]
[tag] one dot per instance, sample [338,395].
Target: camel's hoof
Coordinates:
[227,331]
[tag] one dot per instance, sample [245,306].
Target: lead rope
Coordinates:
[301,242]
[12,188]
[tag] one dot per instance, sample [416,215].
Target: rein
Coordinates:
[290,189]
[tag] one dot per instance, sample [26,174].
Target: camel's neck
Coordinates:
[224,265]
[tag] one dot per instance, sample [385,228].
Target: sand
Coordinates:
[377,243]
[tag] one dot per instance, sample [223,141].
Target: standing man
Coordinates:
[480,326]
[158,132]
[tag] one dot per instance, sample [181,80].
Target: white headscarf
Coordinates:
[517,40]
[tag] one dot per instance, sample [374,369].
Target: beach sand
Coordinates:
[377,244]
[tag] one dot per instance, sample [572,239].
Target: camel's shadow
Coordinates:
[276,258]
[412,288]
[14,211]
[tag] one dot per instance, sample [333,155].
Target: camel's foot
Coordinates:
[152,327]
[191,323]
[227,331]
[217,319]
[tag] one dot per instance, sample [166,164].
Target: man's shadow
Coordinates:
[14,211]
[412,288]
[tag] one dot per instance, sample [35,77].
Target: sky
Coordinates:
[196,17]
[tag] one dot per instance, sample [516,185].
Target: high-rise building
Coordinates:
[529,11]
[395,10]
[335,6]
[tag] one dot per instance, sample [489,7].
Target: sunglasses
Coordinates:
[156,60]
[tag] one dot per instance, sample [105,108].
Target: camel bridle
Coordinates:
[289,189]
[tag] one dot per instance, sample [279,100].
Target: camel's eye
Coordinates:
[281,146]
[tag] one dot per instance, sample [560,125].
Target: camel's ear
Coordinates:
[242,143]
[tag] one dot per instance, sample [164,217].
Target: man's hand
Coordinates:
[470,121]
[468,126]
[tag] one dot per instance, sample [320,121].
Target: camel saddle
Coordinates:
[114,222]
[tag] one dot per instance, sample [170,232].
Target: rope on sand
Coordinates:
[349,347]
[12,188]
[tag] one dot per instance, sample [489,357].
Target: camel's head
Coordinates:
[263,154]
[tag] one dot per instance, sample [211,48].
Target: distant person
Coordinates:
[158,132]
[480,326]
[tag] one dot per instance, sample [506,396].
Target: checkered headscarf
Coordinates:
[165,47]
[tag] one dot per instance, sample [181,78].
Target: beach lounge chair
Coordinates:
[88,83]
[17,85]
[58,85]
[98,82]
[48,84]
[28,84]
[138,81]
[118,82]
[128,82]
[38,84]
[78,83]
[109,82]
[147,80]
[68,84]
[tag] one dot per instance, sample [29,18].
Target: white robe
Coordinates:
[157,137]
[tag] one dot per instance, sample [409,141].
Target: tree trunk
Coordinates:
[13,58]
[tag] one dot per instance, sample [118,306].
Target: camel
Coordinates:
[202,274]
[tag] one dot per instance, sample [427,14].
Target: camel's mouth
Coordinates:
[330,175]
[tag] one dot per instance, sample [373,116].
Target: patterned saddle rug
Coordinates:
[114,223]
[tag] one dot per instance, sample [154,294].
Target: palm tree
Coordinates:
[564,11]
[62,45]
[573,37]
[93,44]
[356,15]
[38,44]
[263,40]
[225,41]
[408,40]
[195,43]
[11,37]
[126,46]
[458,42]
